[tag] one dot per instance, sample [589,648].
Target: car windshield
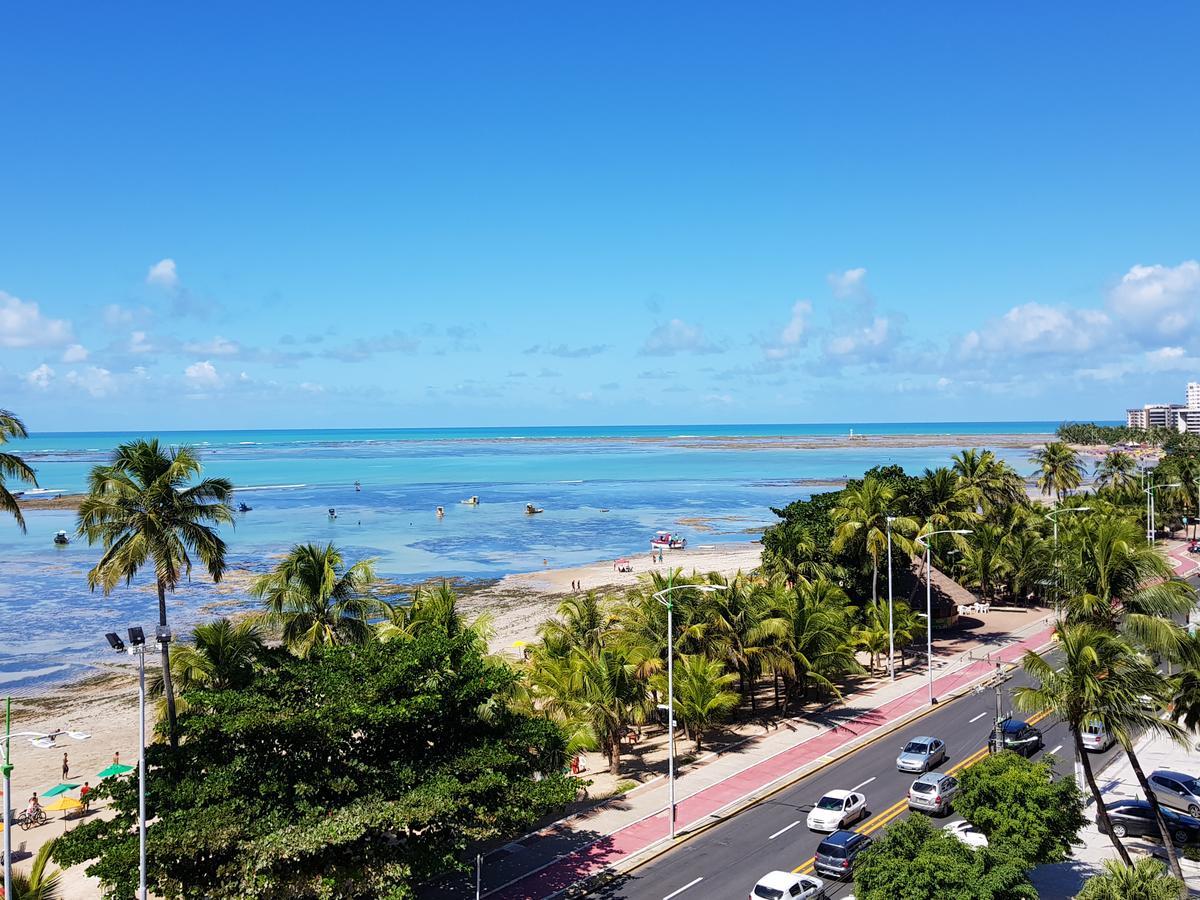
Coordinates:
[831,803]
[914,747]
[833,850]
[922,787]
[767,893]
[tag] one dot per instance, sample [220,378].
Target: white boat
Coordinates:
[440,512]
[668,540]
[531,510]
[470,501]
[61,538]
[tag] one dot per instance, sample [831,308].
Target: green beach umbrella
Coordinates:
[59,789]
[113,770]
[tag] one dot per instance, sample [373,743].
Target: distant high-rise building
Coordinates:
[1193,395]
[1178,416]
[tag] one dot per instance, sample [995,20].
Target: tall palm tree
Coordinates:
[607,694]
[435,609]
[943,501]
[741,605]
[12,466]
[316,600]
[702,694]
[1027,562]
[861,519]
[984,560]
[988,481]
[38,884]
[220,657]
[1059,468]
[1144,880]
[583,621]
[1118,470]
[144,507]
[1079,692]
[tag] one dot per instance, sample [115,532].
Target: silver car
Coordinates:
[933,793]
[1176,790]
[921,754]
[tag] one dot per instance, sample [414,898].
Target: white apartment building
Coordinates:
[1180,416]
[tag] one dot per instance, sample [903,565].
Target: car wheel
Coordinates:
[1179,836]
[1118,830]
[1193,810]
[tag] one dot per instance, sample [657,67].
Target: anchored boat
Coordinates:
[668,540]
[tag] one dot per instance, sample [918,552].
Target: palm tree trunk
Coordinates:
[168,687]
[1164,832]
[614,757]
[1100,810]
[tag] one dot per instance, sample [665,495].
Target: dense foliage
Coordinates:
[1147,879]
[351,772]
[914,860]
[1092,434]
[1023,812]
[12,466]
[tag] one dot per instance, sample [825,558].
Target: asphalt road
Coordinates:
[728,858]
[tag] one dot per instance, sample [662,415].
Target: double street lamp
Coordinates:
[891,627]
[664,597]
[923,540]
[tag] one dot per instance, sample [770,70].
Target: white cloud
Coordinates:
[218,346]
[1034,328]
[311,387]
[677,336]
[794,335]
[138,343]
[1158,302]
[862,343]
[851,283]
[23,325]
[40,377]
[162,274]
[202,375]
[75,353]
[116,315]
[96,381]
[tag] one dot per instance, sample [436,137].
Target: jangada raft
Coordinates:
[668,540]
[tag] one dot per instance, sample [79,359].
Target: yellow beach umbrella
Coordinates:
[62,804]
[518,643]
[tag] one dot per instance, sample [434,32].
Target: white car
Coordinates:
[837,809]
[967,833]
[788,886]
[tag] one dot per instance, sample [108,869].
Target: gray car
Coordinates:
[933,793]
[921,754]
[1176,790]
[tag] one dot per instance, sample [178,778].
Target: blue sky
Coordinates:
[543,213]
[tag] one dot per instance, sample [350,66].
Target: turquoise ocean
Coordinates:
[605,490]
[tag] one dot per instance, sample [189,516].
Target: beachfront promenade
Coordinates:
[628,830]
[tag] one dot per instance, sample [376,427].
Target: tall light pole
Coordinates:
[1151,523]
[664,598]
[923,540]
[891,628]
[1051,516]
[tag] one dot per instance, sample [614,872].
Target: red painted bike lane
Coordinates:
[638,836]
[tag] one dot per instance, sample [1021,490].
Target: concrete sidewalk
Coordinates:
[618,833]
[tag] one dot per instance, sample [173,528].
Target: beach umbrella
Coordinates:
[59,789]
[62,804]
[518,643]
[116,769]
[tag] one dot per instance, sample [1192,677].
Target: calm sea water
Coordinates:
[604,491]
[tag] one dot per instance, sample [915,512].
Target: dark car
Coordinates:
[1018,736]
[836,854]
[1135,818]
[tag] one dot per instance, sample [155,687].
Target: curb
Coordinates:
[653,851]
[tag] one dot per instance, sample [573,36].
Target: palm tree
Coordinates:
[1144,880]
[582,622]
[435,609]
[1026,556]
[38,884]
[1059,468]
[1079,692]
[143,507]
[984,560]
[1118,470]
[702,695]
[220,657]
[316,600]
[871,638]
[943,501]
[861,518]
[987,481]
[741,606]
[607,694]
[12,466]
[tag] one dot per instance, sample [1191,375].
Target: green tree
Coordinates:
[1146,879]
[143,507]
[702,694]
[1118,470]
[861,522]
[986,480]
[221,656]
[358,772]
[436,609]
[12,466]
[40,883]
[1021,807]
[1059,468]
[913,860]
[606,693]
[316,601]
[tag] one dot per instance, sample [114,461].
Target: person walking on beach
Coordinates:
[66,767]
[116,757]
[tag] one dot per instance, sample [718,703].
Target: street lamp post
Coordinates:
[923,540]
[664,598]
[1151,523]
[891,628]
[1057,587]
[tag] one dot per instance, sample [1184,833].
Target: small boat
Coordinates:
[470,501]
[242,507]
[668,540]
[440,512]
[332,513]
[61,539]
[358,485]
[531,510]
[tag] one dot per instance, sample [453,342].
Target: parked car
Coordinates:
[967,833]
[921,754]
[1096,737]
[933,792]
[1135,818]
[837,809]
[1018,736]
[1176,790]
[836,854]
[781,885]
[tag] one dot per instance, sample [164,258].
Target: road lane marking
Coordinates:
[684,888]
[977,718]
[1056,749]
[782,830]
[864,784]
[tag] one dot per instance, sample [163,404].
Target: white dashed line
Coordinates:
[684,888]
[1056,749]
[864,784]
[782,830]
[978,717]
